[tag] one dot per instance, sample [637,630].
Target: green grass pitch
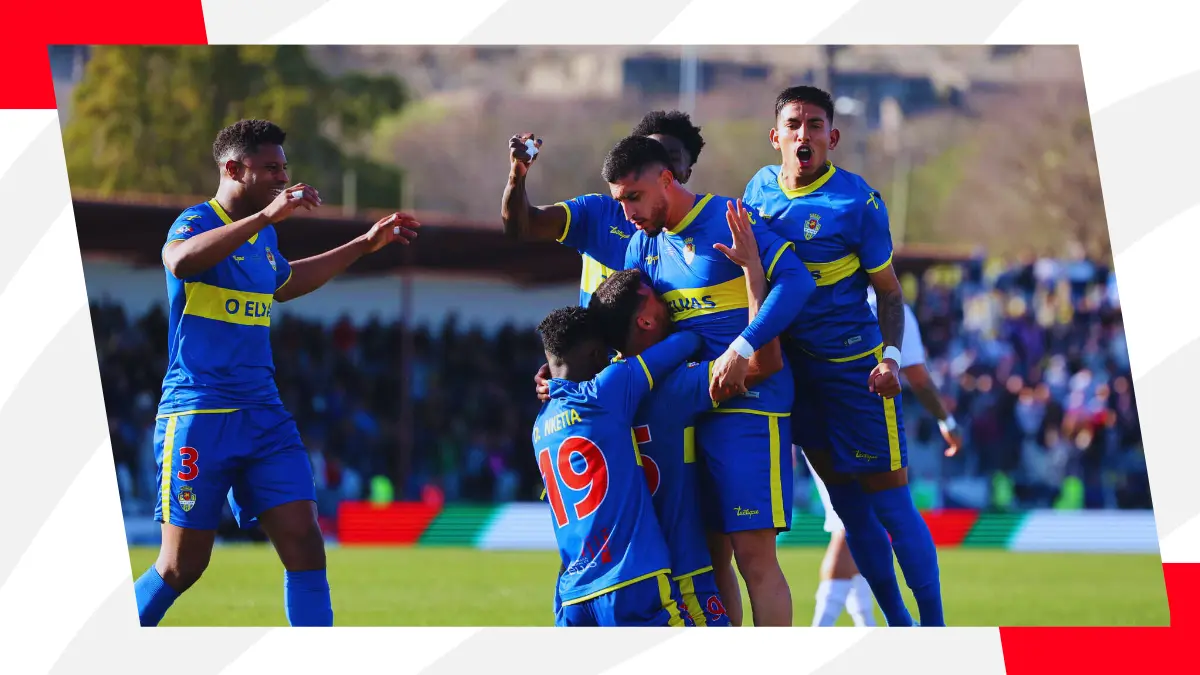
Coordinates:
[433,586]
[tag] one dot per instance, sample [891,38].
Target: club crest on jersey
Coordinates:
[271,259]
[689,250]
[187,498]
[812,226]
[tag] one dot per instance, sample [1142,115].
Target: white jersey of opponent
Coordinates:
[912,352]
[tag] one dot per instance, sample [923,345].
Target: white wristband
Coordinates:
[742,347]
[948,425]
[892,352]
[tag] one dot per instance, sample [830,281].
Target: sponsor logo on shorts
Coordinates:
[187,498]
[745,512]
[859,454]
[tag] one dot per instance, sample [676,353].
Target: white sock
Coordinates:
[831,599]
[861,603]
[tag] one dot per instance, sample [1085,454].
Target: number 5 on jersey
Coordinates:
[581,466]
[641,436]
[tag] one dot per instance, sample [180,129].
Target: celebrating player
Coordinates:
[634,318]
[675,248]
[842,587]
[616,566]
[845,361]
[592,224]
[222,429]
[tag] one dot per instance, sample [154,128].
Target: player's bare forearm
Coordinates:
[523,220]
[312,273]
[200,253]
[768,359]
[889,298]
[925,390]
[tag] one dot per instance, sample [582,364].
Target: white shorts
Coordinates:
[832,522]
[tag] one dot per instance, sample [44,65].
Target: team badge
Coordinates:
[812,226]
[271,259]
[183,229]
[689,250]
[187,498]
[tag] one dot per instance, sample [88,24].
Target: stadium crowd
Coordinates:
[1031,357]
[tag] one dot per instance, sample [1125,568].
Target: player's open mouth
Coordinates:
[804,154]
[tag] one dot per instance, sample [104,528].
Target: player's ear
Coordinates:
[233,169]
[774,138]
[834,137]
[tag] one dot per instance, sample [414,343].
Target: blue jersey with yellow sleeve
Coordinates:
[219,342]
[664,429]
[839,226]
[597,228]
[706,292]
[604,521]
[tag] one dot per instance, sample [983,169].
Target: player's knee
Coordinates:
[756,555]
[181,572]
[885,480]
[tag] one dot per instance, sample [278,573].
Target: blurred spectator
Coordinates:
[1031,356]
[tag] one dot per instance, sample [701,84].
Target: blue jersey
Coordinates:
[597,228]
[839,226]
[604,522]
[664,429]
[705,292]
[219,342]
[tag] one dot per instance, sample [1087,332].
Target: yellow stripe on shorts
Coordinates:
[687,588]
[664,593]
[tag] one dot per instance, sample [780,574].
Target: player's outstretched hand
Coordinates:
[745,248]
[953,441]
[399,227]
[286,202]
[541,382]
[885,379]
[728,376]
[518,153]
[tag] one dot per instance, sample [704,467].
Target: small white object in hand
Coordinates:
[396,230]
[531,148]
[297,194]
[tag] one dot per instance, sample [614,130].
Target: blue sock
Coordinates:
[154,597]
[871,550]
[915,550]
[306,598]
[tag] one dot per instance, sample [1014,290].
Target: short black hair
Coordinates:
[566,328]
[632,154]
[244,137]
[613,305]
[805,94]
[675,124]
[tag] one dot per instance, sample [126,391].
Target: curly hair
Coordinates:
[613,305]
[675,124]
[566,328]
[244,138]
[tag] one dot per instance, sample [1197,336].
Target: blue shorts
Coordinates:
[254,457]
[650,602]
[835,411]
[746,481]
[702,601]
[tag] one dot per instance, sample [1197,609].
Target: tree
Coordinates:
[143,119]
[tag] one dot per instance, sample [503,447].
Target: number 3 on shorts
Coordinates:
[188,470]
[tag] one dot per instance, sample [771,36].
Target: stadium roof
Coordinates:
[132,228]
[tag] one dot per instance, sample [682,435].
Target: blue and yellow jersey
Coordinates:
[839,226]
[597,228]
[664,429]
[604,521]
[219,342]
[706,293]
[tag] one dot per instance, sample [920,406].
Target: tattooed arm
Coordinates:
[890,302]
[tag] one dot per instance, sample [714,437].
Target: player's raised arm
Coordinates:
[522,219]
[309,274]
[185,258]
[875,252]
[791,286]
[768,359]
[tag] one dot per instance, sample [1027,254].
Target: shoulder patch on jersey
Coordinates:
[874,198]
[184,229]
[692,364]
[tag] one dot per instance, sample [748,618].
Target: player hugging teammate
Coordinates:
[817,238]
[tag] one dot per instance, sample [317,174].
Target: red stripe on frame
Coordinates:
[1055,651]
[27,29]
